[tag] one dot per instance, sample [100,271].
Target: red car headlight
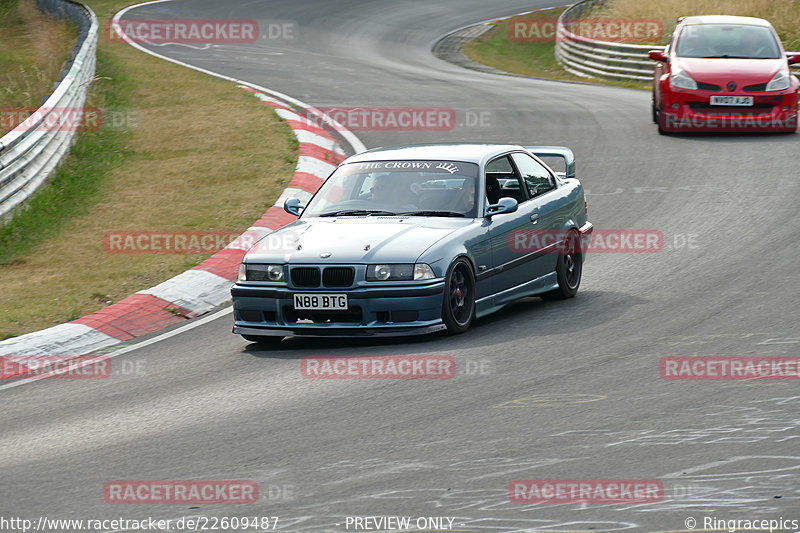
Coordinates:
[780,81]
[680,79]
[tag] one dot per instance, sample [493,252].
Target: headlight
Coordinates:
[250,272]
[779,81]
[681,79]
[401,272]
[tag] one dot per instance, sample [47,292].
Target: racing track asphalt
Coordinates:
[570,390]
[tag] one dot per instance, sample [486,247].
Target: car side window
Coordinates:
[503,181]
[501,164]
[537,178]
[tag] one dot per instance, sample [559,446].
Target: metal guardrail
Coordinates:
[31,151]
[600,59]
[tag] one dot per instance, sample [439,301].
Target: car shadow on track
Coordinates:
[528,318]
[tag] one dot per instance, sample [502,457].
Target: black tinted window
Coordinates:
[536,177]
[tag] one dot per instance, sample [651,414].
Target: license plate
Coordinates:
[721,99]
[321,302]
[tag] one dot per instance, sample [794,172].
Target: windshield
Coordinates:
[727,41]
[425,188]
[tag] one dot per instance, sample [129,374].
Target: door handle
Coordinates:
[535,218]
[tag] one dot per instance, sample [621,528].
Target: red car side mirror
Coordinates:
[795,59]
[657,55]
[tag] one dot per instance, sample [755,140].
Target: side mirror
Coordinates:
[504,205]
[293,206]
[795,59]
[657,55]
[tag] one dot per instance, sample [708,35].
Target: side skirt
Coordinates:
[490,304]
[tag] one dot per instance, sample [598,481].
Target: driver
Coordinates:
[754,44]
[383,188]
[466,199]
[694,43]
[390,190]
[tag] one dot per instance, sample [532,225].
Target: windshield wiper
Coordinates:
[354,212]
[432,214]
[726,56]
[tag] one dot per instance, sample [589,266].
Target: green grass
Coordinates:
[75,184]
[496,49]
[33,48]
[6,6]
[200,153]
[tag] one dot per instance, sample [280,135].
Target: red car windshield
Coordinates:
[727,41]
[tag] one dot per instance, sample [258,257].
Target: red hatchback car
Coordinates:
[724,73]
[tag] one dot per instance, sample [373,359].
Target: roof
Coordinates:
[725,19]
[469,152]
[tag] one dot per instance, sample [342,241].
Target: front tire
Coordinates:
[568,269]
[458,306]
[654,109]
[660,114]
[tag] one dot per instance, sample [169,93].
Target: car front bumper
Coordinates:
[372,311]
[690,112]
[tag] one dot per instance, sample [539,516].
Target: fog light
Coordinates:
[676,106]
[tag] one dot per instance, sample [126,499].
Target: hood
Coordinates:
[720,71]
[354,240]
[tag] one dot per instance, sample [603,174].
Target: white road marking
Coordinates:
[354,141]
[204,47]
[191,325]
[208,299]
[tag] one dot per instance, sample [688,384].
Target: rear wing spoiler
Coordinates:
[556,151]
